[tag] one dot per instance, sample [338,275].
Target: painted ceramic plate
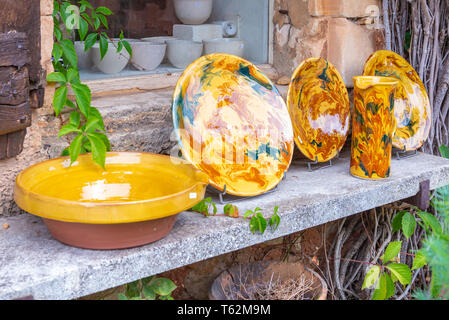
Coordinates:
[411,102]
[318,104]
[232,124]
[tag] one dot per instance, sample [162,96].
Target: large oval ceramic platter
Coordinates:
[318,104]
[232,124]
[411,102]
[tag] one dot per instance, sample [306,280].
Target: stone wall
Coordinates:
[345,32]
[31,153]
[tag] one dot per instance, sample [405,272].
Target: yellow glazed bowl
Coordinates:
[134,187]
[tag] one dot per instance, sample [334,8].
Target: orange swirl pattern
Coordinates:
[318,104]
[373,126]
[411,106]
[232,124]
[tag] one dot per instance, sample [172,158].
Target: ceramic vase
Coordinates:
[373,126]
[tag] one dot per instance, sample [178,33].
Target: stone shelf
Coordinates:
[32,263]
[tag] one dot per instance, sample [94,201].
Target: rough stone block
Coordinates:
[197,32]
[46,7]
[349,45]
[344,8]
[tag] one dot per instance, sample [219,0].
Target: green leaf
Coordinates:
[86,3]
[401,272]
[397,221]
[392,251]
[65,152]
[275,219]
[75,148]
[258,223]
[83,97]
[380,293]
[84,28]
[248,213]
[56,77]
[94,112]
[148,293]
[127,47]
[390,286]
[73,76]
[97,23]
[69,53]
[91,39]
[133,290]
[408,224]
[98,150]
[121,296]
[68,128]
[105,139]
[444,151]
[162,286]
[371,277]
[419,261]
[92,124]
[57,32]
[103,46]
[430,221]
[75,118]
[104,21]
[59,99]
[57,51]
[103,10]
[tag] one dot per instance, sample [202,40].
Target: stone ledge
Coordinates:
[33,263]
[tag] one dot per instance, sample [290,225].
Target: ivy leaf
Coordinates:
[419,261]
[444,151]
[103,20]
[97,23]
[371,277]
[390,286]
[65,152]
[73,76]
[68,128]
[121,296]
[430,221]
[408,224]
[84,28]
[91,39]
[98,150]
[104,10]
[397,221]
[392,251]
[75,148]
[231,210]
[127,47]
[59,99]
[94,112]
[83,97]
[68,49]
[275,219]
[92,124]
[162,286]
[148,293]
[103,46]
[104,138]
[401,272]
[132,289]
[248,213]
[380,293]
[258,223]
[57,51]
[75,118]
[57,77]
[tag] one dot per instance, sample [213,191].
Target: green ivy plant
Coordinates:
[257,223]
[79,19]
[150,288]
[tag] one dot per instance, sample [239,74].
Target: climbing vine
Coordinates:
[84,129]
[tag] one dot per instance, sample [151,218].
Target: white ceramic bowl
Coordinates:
[161,39]
[147,55]
[233,46]
[84,57]
[181,53]
[193,11]
[113,61]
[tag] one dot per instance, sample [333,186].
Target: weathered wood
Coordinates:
[15,143]
[14,85]
[14,49]
[37,98]
[14,118]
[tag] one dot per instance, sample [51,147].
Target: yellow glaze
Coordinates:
[373,126]
[318,104]
[411,106]
[232,124]
[134,187]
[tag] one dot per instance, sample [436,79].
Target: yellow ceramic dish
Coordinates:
[318,104]
[134,187]
[411,106]
[232,124]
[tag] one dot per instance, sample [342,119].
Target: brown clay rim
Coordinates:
[87,204]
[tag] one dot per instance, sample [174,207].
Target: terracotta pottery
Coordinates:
[133,202]
[373,126]
[318,104]
[240,282]
[232,124]
[412,108]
